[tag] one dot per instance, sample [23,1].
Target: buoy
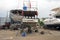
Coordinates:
[23,34]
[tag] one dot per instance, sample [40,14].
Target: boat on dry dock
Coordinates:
[54,21]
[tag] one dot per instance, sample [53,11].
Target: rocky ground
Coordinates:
[15,35]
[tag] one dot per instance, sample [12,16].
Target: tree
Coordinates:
[40,22]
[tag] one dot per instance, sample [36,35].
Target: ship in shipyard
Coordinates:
[26,18]
[54,21]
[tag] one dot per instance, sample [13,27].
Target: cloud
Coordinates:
[10,4]
[7,5]
[45,7]
[52,0]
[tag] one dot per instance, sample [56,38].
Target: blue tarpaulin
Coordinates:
[24,8]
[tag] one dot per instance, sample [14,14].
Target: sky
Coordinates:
[44,6]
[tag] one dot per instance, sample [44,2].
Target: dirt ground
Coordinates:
[15,35]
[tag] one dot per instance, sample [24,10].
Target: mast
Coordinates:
[6,18]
